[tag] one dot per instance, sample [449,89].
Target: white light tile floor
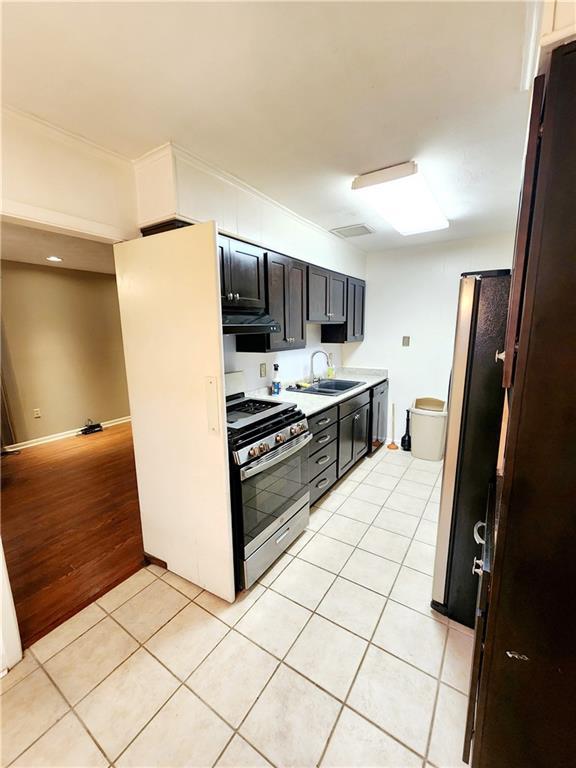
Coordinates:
[333,659]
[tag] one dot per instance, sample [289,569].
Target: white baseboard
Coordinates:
[61,435]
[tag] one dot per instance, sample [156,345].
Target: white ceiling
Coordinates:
[293,98]
[35,245]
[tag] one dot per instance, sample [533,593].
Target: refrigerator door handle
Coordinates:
[477,538]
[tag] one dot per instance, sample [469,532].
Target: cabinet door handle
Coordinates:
[356,417]
[322,483]
[323,459]
[324,421]
[323,439]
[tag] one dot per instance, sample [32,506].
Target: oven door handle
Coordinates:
[276,458]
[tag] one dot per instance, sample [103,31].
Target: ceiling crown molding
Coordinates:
[68,136]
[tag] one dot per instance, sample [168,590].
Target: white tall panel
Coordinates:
[169,290]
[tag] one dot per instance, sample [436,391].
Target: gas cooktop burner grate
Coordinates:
[252,407]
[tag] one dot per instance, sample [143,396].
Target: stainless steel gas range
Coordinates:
[268,444]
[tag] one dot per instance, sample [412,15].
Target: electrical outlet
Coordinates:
[262,370]
[405,341]
[37,413]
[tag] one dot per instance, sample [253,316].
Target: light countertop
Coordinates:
[310,404]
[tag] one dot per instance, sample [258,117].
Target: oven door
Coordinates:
[273,488]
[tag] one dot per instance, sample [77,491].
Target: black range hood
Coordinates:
[237,323]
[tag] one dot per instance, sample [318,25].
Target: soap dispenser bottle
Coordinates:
[276,385]
[331,371]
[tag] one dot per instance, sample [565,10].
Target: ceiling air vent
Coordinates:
[354,230]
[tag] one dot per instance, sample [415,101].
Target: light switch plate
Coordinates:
[405,341]
[262,370]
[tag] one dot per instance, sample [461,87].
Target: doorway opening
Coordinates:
[70,516]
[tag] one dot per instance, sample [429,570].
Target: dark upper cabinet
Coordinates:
[338,300]
[353,328]
[297,293]
[318,295]
[356,309]
[286,280]
[326,296]
[353,438]
[223,246]
[242,274]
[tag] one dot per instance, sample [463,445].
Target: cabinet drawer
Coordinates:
[322,483]
[323,458]
[349,406]
[321,439]
[380,389]
[322,420]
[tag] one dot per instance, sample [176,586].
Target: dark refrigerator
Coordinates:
[475,405]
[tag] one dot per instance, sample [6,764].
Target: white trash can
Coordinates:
[428,428]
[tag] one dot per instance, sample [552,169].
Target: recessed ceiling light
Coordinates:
[401,196]
[53,258]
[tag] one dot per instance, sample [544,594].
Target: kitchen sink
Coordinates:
[328,387]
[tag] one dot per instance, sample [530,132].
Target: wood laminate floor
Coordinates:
[70,525]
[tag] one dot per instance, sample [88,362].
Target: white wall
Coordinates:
[414,292]
[172,182]
[294,363]
[53,180]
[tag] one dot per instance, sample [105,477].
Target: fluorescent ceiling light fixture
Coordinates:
[401,196]
[53,258]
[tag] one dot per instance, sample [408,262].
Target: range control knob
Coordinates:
[253,451]
[263,447]
[280,438]
[294,429]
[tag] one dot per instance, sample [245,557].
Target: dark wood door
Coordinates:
[338,295]
[278,270]
[247,275]
[523,231]
[361,431]
[297,283]
[528,678]
[224,262]
[346,444]
[318,295]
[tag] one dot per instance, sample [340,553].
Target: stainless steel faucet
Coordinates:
[318,352]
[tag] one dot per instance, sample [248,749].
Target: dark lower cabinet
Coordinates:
[378,416]
[353,438]
[322,483]
[327,296]
[341,435]
[286,299]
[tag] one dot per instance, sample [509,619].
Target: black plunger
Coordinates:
[406,442]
